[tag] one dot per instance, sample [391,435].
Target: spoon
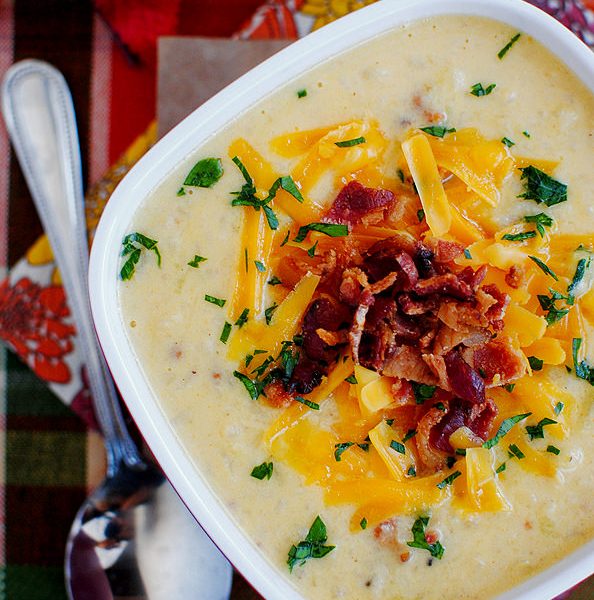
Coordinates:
[132,536]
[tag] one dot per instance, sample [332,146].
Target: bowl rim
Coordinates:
[193,131]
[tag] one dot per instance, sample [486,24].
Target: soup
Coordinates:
[440,446]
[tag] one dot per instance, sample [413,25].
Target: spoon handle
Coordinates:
[40,119]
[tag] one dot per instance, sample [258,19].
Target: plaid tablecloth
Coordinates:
[52,454]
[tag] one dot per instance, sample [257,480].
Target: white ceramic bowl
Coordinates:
[179,143]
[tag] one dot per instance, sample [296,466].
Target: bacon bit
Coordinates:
[178,354]
[404,557]
[216,375]
[386,531]
[356,203]
[527,525]
[498,357]
[332,338]
[444,251]
[515,277]
[445,285]
[431,456]
[431,537]
[407,362]
[464,381]
[277,396]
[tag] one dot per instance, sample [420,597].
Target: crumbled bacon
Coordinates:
[464,381]
[515,277]
[355,202]
[277,395]
[498,362]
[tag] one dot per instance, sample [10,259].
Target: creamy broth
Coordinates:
[176,333]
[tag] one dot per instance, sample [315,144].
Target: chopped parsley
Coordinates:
[181,192]
[243,318]
[251,386]
[438,130]
[195,262]
[422,391]
[301,93]
[312,405]
[400,174]
[226,332]
[398,447]
[513,450]
[312,547]
[507,142]
[133,244]
[286,238]
[580,271]
[553,450]
[467,254]
[312,251]
[409,434]
[205,173]
[449,479]
[536,364]
[340,448]
[260,266]
[274,280]
[541,187]
[504,429]
[363,523]
[461,451]
[421,215]
[537,431]
[412,472]
[351,379]
[582,369]
[509,387]
[269,312]
[544,267]
[329,229]
[245,253]
[500,468]
[478,90]
[349,143]
[519,237]
[218,301]
[548,304]
[558,408]
[542,220]
[418,530]
[507,46]
[525,134]
[263,471]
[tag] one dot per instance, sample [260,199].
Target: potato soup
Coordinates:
[366,307]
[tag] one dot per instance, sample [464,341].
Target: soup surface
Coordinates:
[532,502]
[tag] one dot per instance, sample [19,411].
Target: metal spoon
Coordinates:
[115,548]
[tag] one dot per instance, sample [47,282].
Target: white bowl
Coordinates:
[177,145]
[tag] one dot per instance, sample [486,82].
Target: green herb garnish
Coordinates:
[312,251]
[500,468]
[133,244]
[263,471]
[312,547]
[553,450]
[218,301]
[181,192]
[478,90]
[351,379]
[558,408]
[418,530]
[363,523]
[330,229]
[537,431]
[542,188]
[286,238]
[422,391]
[525,134]
[411,472]
[544,267]
[226,332]
[536,364]
[312,405]
[548,304]
[509,387]
[340,448]
[398,447]
[507,142]
[249,385]
[507,46]
[438,130]
[409,434]
[195,262]
[519,237]
[421,215]
[467,254]
[449,479]
[580,271]
[274,280]
[349,143]
[504,429]
[243,318]
[583,370]
[513,450]
[260,266]
[542,220]
[269,312]
[205,173]
[301,93]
